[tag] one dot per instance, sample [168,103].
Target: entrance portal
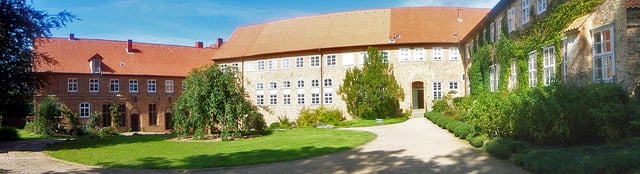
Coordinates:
[168,121]
[135,122]
[417,95]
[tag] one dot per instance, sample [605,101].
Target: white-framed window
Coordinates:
[437,53]
[300,83]
[151,85]
[133,85]
[467,51]
[285,63]
[286,99]
[299,62]
[542,6]
[273,64]
[437,90]
[454,53]
[168,86]
[525,11]
[498,27]
[549,62]
[286,84]
[72,84]
[96,64]
[533,69]
[513,79]
[234,67]
[315,98]
[603,54]
[94,85]
[405,54]
[248,66]
[315,61]
[328,83]
[347,59]
[328,98]
[331,60]
[260,99]
[301,99]
[453,85]
[273,99]
[259,86]
[385,56]
[260,65]
[565,52]
[418,54]
[114,85]
[511,19]
[315,83]
[273,85]
[492,32]
[85,110]
[361,57]
[494,77]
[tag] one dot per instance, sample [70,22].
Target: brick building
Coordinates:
[143,79]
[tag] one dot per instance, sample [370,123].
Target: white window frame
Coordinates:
[300,99]
[542,6]
[405,55]
[492,32]
[300,83]
[249,66]
[533,69]
[273,99]
[286,99]
[511,19]
[494,77]
[603,57]
[525,11]
[418,54]
[152,85]
[549,64]
[285,63]
[299,62]
[453,85]
[134,85]
[315,98]
[437,53]
[273,85]
[513,79]
[94,85]
[259,99]
[261,65]
[454,53]
[169,86]
[315,83]
[328,98]
[315,61]
[272,64]
[85,110]
[286,84]
[328,83]
[331,60]
[72,84]
[498,28]
[259,86]
[437,90]
[114,85]
[361,57]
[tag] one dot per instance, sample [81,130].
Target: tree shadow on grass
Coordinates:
[106,141]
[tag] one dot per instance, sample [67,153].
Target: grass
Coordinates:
[24,134]
[366,123]
[156,152]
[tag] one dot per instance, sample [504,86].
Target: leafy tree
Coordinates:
[20,27]
[46,113]
[371,92]
[114,111]
[215,100]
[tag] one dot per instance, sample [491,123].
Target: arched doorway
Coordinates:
[417,96]
[135,122]
[168,121]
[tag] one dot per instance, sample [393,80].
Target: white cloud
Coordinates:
[460,3]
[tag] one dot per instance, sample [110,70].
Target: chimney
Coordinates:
[72,36]
[129,45]
[199,44]
[219,43]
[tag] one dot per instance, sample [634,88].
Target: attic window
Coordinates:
[95,64]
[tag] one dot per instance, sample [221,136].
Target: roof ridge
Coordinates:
[109,40]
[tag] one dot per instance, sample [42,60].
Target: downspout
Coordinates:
[321,80]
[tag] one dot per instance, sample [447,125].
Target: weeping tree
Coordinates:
[372,92]
[215,101]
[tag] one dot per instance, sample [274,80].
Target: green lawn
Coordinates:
[366,123]
[156,152]
[24,134]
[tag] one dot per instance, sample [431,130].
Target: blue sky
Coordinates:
[183,22]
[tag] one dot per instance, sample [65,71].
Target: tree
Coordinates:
[372,92]
[215,100]
[114,111]
[48,115]
[20,27]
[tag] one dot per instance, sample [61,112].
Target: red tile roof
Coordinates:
[354,28]
[147,59]
[633,3]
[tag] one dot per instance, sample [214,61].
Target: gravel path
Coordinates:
[415,146]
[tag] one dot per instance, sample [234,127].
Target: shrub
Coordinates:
[275,125]
[440,106]
[8,134]
[312,117]
[102,132]
[499,147]
[478,141]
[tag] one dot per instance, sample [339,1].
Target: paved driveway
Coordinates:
[415,146]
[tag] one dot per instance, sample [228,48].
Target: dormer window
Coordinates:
[95,64]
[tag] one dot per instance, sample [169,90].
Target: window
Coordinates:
[168,86]
[418,54]
[513,79]
[467,51]
[331,60]
[603,49]
[285,63]
[286,99]
[94,85]
[385,57]
[347,59]
[133,85]
[492,32]
[151,85]
[454,54]
[272,65]
[183,86]
[453,85]
[533,69]
[248,66]
[300,99]
[72,84]
[315,83]
[494,77]
[328,82]
[234,67]
[153,115]
[315,61]
[564,48]
[259,86]
[300,83]
[273,99]
[405,54]
[361,57]
[549,62]
[85,110]
[96,64]
[542,6]
[511,22]
[114,85]
[437,53]
[525,11]
[299,62]
[437,90]
[260,65]
[273,85]
[286,84]
[498,28]
[260,99]
[315,98]
[328,98]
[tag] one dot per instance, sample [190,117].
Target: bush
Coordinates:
[275,125]
[499,147]
[440,106]
[312,117]
[8,134]
[458,128]
[102,132]
[478,141]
